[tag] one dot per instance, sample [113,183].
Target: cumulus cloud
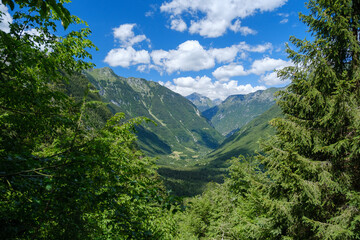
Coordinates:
[271,79]
[224,73]
[192,56]
[126,57]
[216,16]
[178,25]
[205,86]
[267,64]
[236,27]
[226,54]
[258,67]
[5,18]
[189,56]
[125,35]
[261,48]
[266,68]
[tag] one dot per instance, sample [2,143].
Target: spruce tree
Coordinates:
[313,163]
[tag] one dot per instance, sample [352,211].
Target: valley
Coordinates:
[192,138]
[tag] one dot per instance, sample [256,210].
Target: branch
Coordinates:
[35,170]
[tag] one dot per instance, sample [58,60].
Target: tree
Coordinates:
[313,162]
[62,176]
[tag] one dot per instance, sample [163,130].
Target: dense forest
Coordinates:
[71,169]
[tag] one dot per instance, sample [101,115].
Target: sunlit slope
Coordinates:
[237,110]
[181,134]
[245,141]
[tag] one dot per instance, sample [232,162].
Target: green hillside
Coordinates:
[237,110]
[245,141]
[181,135]
[213,167]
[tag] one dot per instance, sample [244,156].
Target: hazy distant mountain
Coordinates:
[201,102]
[181,132]
[237,110]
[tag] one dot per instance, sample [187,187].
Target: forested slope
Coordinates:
[237,110]
[246,140]
[181,135]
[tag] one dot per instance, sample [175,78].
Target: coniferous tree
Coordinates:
[313,162]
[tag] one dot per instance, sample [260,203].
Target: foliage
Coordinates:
[314,159]
[312,188]
[306,184]
[66,173]
[228,210]
[246,140]
[190,181]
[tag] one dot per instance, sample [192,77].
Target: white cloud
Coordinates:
[261,48]
[272,79]
[149,14]
[226,54]
[224,73]
[267,64]
[284,16]
[178,25]
[236,27]
[5,18]
[266,68]
[125,35]
[216,16]
[258,67]
[126,57]
[189,56]
[192,56]
[204,86]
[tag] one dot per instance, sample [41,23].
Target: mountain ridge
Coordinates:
[181,130]
[237,110]
[201,102]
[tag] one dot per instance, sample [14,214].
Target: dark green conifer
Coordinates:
[314,160]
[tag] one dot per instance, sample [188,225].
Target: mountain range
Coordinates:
[246,140]
[181,135]
[237,110]
[189,144]
[201,102]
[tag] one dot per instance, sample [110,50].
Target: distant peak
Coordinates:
[106,70]
[103,71]
[195,94]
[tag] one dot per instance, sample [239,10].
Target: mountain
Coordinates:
[237,110]
[201,102]
[181,134]
[245,141]
[213,168]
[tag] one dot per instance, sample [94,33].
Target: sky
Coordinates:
[213,47]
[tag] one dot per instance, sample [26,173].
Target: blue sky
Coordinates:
[214,47]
